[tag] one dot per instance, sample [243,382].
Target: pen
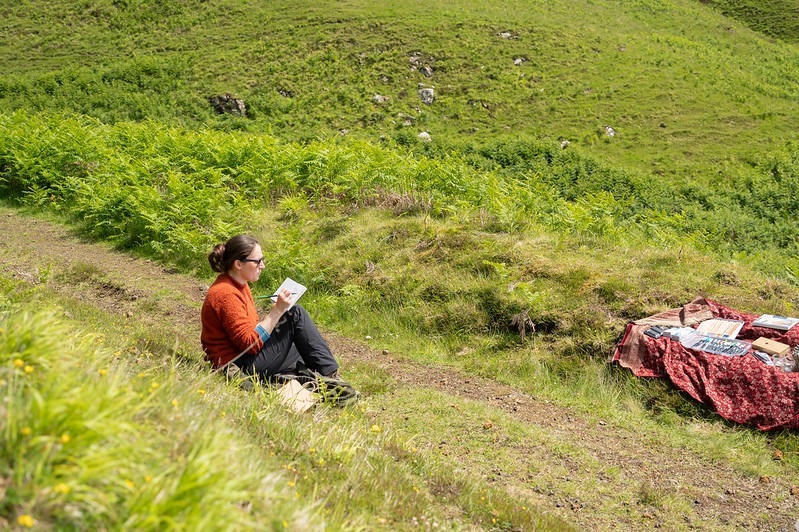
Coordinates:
[273,295]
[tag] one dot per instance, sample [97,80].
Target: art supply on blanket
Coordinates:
[772,347]
[763,357]
[720,327]
[718,346]
[781,323]
[789,362]
[656,331]
[740,389]
[675,333]
[785,363]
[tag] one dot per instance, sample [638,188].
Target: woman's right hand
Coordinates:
[278,309]
[283,300]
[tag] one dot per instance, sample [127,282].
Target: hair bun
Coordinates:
[216,258]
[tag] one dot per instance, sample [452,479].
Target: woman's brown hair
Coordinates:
[236,248]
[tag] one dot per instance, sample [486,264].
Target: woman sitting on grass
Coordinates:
[285,343]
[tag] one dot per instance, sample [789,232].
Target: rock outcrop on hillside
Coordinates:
[228,104]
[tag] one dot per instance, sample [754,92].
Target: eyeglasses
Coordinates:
[256,261]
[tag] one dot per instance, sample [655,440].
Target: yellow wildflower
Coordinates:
[61,488]
[25,431]
[28,369]
[102,371]
[375,428]
[175,403]
[19,362]
[201,391]
[26,520]
[129,483]
[148,478]
[65,438]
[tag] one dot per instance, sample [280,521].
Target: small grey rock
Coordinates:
[427,95]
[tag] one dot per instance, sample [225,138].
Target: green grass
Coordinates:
[98,432]
[583,296]
[776,18]
[686,89]
[86,442]
[491,249]
[185,190]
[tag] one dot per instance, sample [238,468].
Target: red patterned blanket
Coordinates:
[741,388]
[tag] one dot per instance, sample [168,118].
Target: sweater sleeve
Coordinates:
[239,320]
[229,320]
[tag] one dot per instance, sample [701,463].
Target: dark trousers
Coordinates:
[294,343]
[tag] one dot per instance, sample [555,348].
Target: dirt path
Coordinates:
[720,497]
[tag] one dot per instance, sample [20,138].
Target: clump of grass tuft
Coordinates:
[115,428]
[87,444]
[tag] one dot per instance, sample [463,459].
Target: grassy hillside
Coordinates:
[431,259]
[105,427]
[686,90]
[184,190]
[495,251]
[776,18]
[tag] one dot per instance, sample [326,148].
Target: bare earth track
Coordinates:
[721,498]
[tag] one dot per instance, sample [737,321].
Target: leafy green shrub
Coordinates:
[173,193]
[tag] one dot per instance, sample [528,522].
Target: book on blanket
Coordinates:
[772,321]
[720,327]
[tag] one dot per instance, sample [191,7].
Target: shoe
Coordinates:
[234,374]
[337,391]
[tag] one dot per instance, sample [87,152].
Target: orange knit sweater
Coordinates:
[228,318]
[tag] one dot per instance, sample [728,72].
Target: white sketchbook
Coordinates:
[771,321]
[296,289]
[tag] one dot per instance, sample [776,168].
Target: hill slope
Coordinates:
[588,471]
[488,271]
[684,89]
